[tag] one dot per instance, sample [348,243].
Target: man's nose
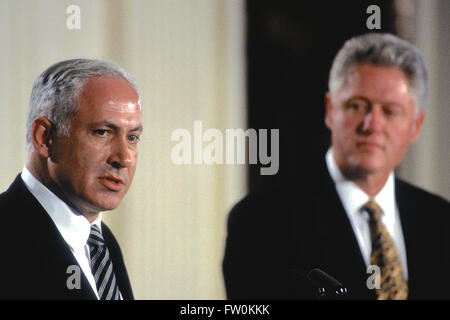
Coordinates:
[120,154]
[373,120]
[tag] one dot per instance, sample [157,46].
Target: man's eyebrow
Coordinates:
[138,128]
[116,127]
[360,98]
[384,102]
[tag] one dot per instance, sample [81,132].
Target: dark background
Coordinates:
[290,49]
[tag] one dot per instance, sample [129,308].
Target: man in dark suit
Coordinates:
[83,127]
[379,236]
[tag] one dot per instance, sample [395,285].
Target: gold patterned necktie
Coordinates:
[393,285]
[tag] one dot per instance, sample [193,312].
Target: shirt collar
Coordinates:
[354,197]
[72,225]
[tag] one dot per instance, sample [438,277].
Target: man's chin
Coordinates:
[104,204]
[109,206]
[362,170]
[354,173]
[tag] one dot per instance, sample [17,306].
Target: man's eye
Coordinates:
[133,138]
[101,132]
[356,105]
[392,112]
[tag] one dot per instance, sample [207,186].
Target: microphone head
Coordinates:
[326,283]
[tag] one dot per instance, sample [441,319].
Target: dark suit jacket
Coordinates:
[34,256]
[276,237]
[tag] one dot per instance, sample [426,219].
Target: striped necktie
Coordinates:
[102,267]
[393,285]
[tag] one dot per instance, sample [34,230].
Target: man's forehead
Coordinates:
[388,79]
[128,107]
[368,70]
[113,108]
[107,89]
[112,112]
[109,95]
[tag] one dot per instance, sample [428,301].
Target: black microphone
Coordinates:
[328,287]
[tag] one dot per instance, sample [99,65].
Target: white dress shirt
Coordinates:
[72,226]
[353,199]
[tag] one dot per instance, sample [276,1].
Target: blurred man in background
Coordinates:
[381,237]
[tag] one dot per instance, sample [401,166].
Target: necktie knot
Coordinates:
[374,210]
[95,237]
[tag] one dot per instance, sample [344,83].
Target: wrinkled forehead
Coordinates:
[109,98]
[125,107]
[105,89]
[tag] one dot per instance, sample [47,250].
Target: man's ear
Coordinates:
[42,136]
[417,128]
[328,110]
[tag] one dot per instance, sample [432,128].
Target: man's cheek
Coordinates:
[92,163]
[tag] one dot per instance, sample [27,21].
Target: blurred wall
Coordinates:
[427,163]
[187,57]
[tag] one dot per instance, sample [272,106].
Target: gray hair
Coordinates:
[55,92]
[381,49]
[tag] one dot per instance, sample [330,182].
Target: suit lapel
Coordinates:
[333,244]
[415,242]
[425,224]
[120,272]
[343,253]
[47,252]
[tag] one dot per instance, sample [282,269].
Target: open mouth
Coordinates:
[112,183]
[114,180]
